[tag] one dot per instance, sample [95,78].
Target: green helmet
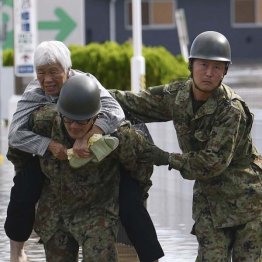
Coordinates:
[211,45]
[79,98]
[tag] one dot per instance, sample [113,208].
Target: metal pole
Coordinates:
[137,61]
[112,19]
[1,65]
[182,32]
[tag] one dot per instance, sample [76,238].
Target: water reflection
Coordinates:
[170,202]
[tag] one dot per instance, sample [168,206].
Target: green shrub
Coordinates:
[163,67]
[110,63]
[8,57]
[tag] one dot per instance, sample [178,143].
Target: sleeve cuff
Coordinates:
[102,124]
[44,146]
[175,161]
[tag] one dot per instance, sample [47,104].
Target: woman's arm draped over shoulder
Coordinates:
[20,136]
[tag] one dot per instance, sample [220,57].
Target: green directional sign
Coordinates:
[65,25]
[58,20]
[9,3]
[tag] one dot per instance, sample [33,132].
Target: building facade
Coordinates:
[239,20]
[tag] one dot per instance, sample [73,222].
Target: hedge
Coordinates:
[110,63]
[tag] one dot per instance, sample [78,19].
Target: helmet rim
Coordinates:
[211,45]
[79,98]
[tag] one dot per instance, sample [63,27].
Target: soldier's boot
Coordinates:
[17,252]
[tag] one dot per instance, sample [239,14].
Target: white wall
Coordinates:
[7,90]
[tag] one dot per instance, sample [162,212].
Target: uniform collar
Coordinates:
[184,100]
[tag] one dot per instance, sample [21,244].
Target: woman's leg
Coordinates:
[21,208]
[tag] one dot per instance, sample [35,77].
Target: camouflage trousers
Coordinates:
[241,243]
[99,246]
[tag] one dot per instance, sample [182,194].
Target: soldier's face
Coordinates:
[51,78]
[77,129]
[208,74]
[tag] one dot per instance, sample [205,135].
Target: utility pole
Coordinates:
[182,32]
[25,39]
[112,20]
[1,65]
[137,61]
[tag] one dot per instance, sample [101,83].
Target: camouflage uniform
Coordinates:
[80,206]
[218,153]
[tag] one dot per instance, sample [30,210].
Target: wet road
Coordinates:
[170,196]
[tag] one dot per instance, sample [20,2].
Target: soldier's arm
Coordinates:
[146,106]
[226,134]
[41,122]
[131,145]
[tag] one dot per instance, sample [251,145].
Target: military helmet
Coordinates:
[211,45]
[79,98]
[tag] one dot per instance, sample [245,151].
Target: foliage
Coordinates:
[109,62]
[162,67]
[8,57]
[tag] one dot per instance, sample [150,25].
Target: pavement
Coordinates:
[244,74]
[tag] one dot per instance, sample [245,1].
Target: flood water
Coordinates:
[170,197]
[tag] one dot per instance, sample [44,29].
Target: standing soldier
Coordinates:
[213,126]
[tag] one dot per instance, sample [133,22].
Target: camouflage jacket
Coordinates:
[81,198]
[216,145]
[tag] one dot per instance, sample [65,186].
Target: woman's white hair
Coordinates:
[50,52]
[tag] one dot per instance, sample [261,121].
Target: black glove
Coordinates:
[154,155]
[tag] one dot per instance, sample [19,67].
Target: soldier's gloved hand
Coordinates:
[154,155]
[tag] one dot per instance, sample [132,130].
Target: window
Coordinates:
[155,13]
[247,12]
